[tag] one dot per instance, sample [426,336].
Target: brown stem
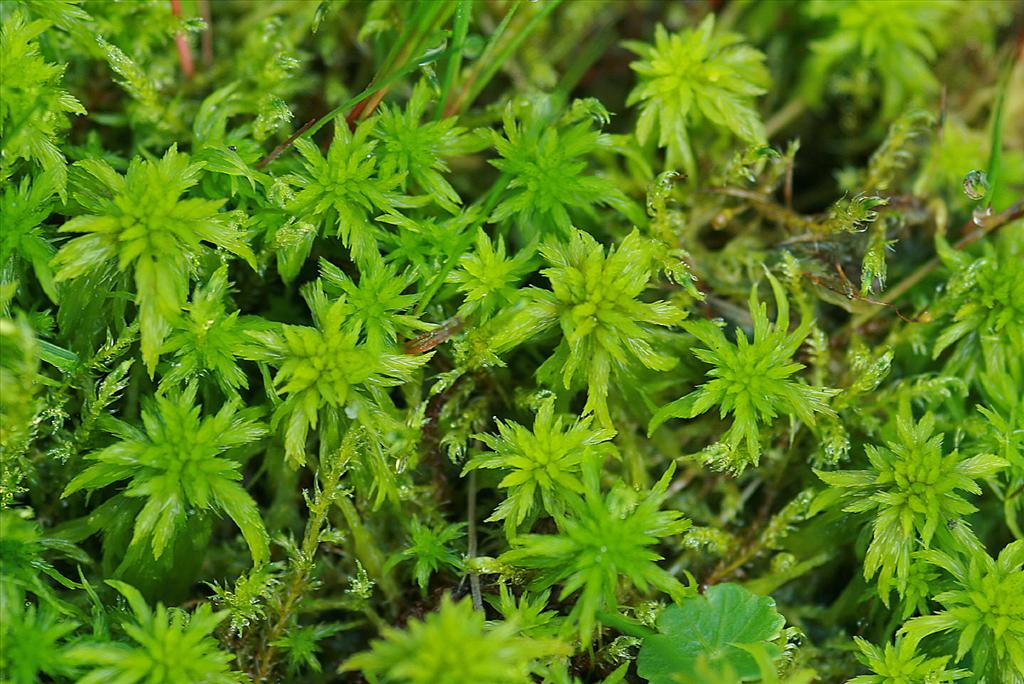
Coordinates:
[365,108]
[770,210]
[304,561]
[471,549]
[990,224]
[266,662]
[851,293]
[784,117]
[986,226]
[276,152]
[412,45]
[788,186]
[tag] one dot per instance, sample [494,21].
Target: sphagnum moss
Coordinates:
[452,342]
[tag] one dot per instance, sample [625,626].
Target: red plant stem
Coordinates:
[184,54]
[435,337]
[354,115]
[284,146]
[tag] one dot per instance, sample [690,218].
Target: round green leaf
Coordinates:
[709,634]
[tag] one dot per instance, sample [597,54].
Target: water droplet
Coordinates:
[976,184]
[979,215]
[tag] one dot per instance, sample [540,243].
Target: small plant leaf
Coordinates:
[711,633]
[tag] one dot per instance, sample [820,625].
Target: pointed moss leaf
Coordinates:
[697,75]
[914,489]
[327,367]
[488,277]
[897,52]
[711,633]
[34,108]
[377,300]
[207,341]
[430,547]
[983,300]
[547,164]
[416,150]
[177,464]
[140,222]
[900,662]
[606,539]
[24,242]
[752,381]
[454,645]
[166,645]
[342,191]
[35,640]
[607,329]
[541,464]
[985,606]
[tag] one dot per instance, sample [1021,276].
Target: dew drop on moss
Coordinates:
[976,185]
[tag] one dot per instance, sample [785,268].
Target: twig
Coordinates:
[315,124]
[276,152]
[471,541]
[987,225]
[411,45]
[990,224]
[302,564]
[485,69]
[421,344]
[784,117]
[764,206]
[788,187]
[853,295]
